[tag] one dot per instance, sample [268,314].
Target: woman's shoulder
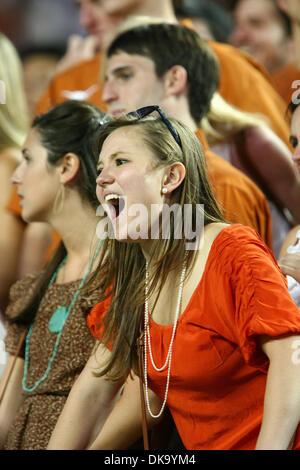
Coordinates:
[238,239]
[223,250]
[239,256]
[22,285]
[19,292]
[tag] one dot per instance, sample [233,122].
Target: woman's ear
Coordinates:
[173,177]
[175,80]
[69,167]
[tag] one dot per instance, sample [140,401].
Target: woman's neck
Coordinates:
[76,225]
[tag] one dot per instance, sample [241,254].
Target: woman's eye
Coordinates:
[120,161]
[99,170]
[124,76]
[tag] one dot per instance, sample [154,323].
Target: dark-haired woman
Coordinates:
[56,183]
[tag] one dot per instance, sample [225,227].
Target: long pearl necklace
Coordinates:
[147,341]
[60,315]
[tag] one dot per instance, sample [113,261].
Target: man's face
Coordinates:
[259,32]
[131,83]
[98,19]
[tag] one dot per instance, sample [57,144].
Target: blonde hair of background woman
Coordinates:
[223,121]
[14,120]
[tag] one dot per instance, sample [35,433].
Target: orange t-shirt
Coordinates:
[241,201]
[81,82]
[218,371]
[283,80]
[246,85]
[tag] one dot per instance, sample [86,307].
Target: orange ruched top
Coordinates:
[218,371]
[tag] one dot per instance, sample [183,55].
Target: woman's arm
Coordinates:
[282,398]
[273,162]
[290,240]
[12,398]
[123,427]
[89,403]
[290,265]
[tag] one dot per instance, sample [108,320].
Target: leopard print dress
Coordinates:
[40,409]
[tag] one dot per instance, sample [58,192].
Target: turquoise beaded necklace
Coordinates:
[56,324]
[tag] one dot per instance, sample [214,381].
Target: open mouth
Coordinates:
[115,204]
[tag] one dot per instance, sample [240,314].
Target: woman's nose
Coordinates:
[105,177]
[16,176]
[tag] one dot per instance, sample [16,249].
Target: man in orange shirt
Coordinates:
[263,30]
[291,73]
[243,82]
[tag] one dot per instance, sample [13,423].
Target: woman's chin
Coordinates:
[26,217]
[124,236]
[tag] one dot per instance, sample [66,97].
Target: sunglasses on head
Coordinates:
[146,110]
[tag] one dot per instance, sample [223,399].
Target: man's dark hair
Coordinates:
[168,45]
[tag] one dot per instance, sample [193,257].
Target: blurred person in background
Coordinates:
[21,246]
[13,128]
[292,9]
[39,65]
[247,142]
[210,19]
[290,74]
[264,31]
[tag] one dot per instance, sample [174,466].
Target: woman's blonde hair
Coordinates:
[121,268]
[224,121]
[14,121]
